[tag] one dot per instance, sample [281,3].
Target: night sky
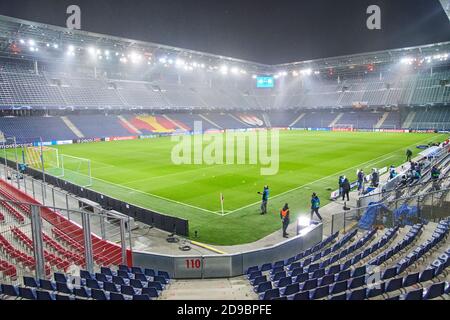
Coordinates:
[271,32]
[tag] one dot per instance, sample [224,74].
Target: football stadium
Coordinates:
[132,170]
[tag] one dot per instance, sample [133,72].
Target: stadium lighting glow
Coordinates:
[117,54]
[135,57]
[202,66]
[316,72]
[407,60]
[48,45]
[71,50]
[224,69]
[162,60]
[295,73]
[55,46]
[234,70]
[303,221]
[123,60]
[179,63]
[31,42]
[22,41]
[306,72]
[106,52]
[91,50]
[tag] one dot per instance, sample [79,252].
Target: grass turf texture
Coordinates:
[141,172]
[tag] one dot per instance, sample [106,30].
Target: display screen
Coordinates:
[265,82]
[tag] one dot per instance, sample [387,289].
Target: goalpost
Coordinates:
[76,170]
[342,127]
[386,127]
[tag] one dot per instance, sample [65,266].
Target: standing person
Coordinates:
[346,189]
[284,215]
[341,179]
[315,205]
[265,198]
[408,155]
[375,178]
[360,181]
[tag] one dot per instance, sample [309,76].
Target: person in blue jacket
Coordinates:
[315,205]
[265,198]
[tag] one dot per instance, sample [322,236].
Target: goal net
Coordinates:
[50,158]
[386,127]
[342,127]
[76,170]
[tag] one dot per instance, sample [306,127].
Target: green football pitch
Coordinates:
[142,172]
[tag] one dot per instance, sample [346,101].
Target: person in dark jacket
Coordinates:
[375,178]
[346,189]
[341,179]
[284,215]
[315,205]
[408,155]
[361,177]
[265,198]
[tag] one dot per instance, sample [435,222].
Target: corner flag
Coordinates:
[221,201]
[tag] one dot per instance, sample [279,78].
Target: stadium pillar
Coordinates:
[36,230]
[88,251]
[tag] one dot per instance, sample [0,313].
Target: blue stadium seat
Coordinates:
[295,265]
[414,295]
[394,284]
[290,289]
[59,277]
[426,275]
[137,270]
[107,271]
[326,280]
[301,277]
[276,270]
[30,282]
[82,292]
[434,291]
[258,280]
[27,293]
[47,285]
[359,294]
[356,282]
[320,293]
[262,287]
[389,273]
[136,283]
[124,274]
[60,297]
[334,269]
[360,271]
[411,279]
[270,294]
[152,284]
[343,275]
[99,294]
[44,295]
[84,274]
[62,287]
[116,296]
[266,267]
[142,277]
[309,285]
[339,287]
[150,292]
[278,276]
[103,277]
[319,273]
[124,268]
[249,270]
[129,290]
[120,281]
[110,287]
[301,296]
[9,290]
[253,275]
[297,271]
[151,272]
[283,282]
[93,284]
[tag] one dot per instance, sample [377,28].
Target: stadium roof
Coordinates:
[13,30]
[446,6]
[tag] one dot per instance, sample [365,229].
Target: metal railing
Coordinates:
[429,206]
[43,230]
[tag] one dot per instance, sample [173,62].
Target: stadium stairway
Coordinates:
[409,119]
[72,127]
[300,117]
[382,120]
[127,125]
[336,120]
[177,124]
[210,121]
